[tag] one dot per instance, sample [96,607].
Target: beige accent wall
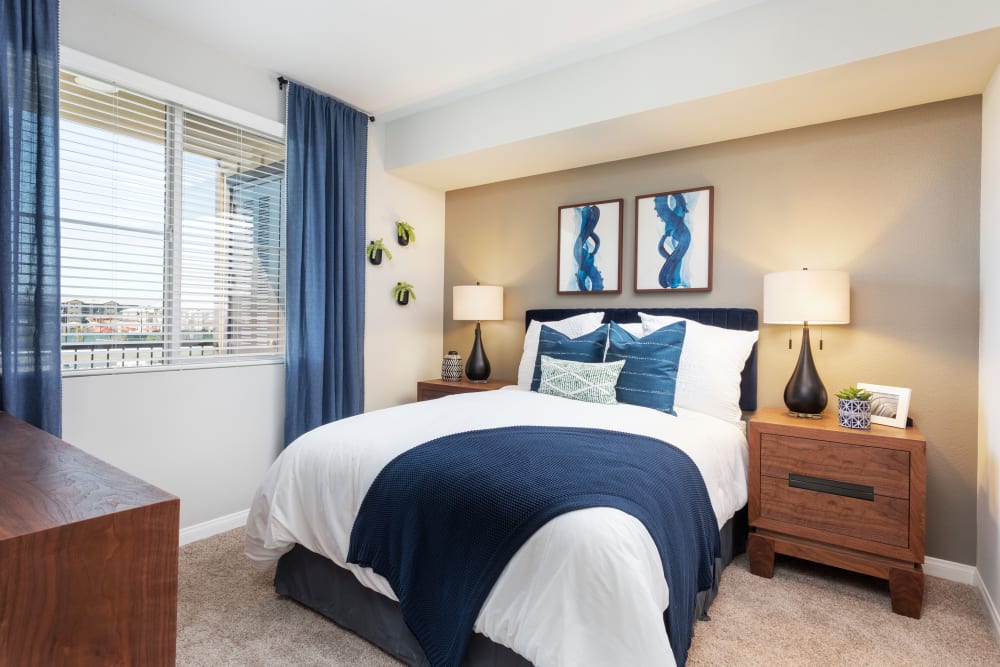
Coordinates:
[892,198]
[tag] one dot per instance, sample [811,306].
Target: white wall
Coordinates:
[402,343]
[988,507]
[101,29]
[204,435]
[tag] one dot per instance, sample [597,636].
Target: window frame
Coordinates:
[178,101]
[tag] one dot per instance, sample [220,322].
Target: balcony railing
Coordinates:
[138,354]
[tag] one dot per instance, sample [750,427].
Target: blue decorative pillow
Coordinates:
[650,373]
[588,348]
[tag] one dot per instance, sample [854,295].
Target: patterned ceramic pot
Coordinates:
[854,413]
[451,367]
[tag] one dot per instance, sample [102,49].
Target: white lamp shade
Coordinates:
[477,302]
[816,297]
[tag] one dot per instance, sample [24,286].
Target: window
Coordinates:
[172,234]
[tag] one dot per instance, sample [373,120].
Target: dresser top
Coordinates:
[46,482]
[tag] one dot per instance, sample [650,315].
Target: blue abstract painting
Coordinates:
[589,255]
[673,232]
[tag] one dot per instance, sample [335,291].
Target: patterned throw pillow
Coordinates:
[588,348]
[649,377]
[593,383]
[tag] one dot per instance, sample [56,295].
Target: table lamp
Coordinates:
[806,297]
[477,302]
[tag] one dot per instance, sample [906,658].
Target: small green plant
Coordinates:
[854,394]
[404,232]
[373,251]
[402,293]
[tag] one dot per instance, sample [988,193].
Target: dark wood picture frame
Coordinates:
[698,225]
[590,267]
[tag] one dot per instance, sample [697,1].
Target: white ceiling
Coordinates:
[391,56]
[471,92]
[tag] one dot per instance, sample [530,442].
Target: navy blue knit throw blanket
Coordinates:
[442,520]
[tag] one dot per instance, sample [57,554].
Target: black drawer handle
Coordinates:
[821,485]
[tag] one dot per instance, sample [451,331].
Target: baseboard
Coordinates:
[950,570]
[991,607]
[206,529]
[965,574]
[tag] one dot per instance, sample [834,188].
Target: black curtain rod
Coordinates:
[282,82]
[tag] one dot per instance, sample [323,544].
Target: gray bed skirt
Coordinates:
[334,592]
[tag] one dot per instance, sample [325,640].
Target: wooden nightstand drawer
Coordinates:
[887,471]
[848,498]
[428,394]
[883,519]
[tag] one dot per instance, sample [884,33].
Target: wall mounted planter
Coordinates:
[404,233]
[402,293]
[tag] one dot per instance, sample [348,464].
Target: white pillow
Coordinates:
[634,328]
[574,327]
[712,359]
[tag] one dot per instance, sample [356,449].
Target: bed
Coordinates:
[563,598]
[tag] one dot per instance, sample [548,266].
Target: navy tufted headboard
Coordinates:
[743,319]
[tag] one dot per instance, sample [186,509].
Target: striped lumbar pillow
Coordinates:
[593,383]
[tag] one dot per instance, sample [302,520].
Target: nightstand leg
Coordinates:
[906,587]
[761,553]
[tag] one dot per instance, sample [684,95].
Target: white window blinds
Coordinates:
[172,234]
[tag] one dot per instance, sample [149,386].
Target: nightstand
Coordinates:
[428,389]
[848,498]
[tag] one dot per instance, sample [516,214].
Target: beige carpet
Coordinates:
[807,615]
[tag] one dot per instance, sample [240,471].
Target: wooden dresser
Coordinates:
[88,558]
[849,498]
[428,389]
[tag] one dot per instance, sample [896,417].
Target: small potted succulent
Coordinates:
[402,293]
[404,232]
[854,408]
[375,250]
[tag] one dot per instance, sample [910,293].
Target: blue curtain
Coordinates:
[30,382]
[327,169]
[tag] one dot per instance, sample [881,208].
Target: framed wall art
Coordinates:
[589,255]
[673,241]
[890,405]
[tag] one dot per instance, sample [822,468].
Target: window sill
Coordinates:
[206,365]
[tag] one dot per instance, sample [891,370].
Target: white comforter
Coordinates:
[587,588]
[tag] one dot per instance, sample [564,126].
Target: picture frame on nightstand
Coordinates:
[890,405]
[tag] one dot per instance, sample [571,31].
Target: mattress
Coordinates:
[591,569]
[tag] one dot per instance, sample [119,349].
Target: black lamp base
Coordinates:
[805,394]
[477,368]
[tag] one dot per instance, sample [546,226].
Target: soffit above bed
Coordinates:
[539,127]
